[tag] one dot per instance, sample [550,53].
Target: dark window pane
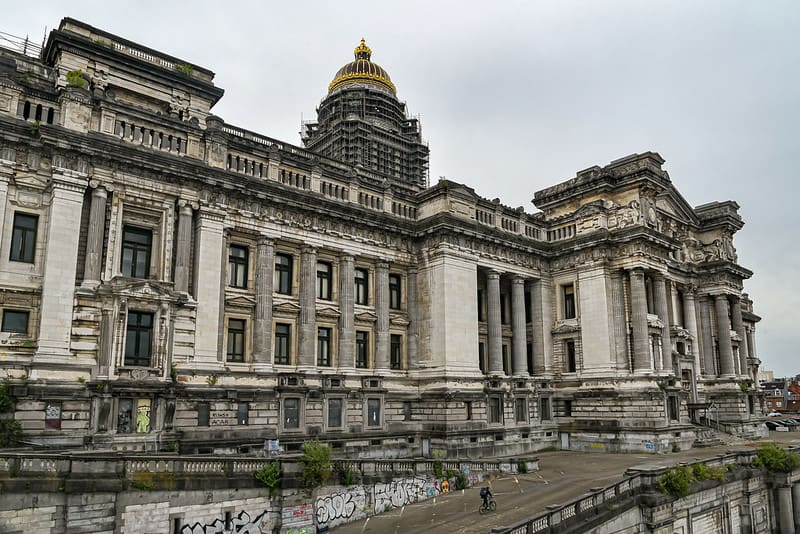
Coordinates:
[362,286]
[242,413]
[203,414]
[136,245]
[237,266]
[324,347]
[291,413]
[362,353]
[569,302]
[334,413]
[15,321]
[373,412]
[283,274]
[396,351]
[137,339]
[23,237]
[282,343]
[395,293]
[236,332]
[125,416]
[324,271]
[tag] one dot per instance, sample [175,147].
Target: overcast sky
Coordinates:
[517,96]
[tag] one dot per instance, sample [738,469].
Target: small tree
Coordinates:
[676,481]
[776,459]
[270,476]
[316,461]
[75,79]
[10,429]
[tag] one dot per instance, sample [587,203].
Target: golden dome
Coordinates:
[362,70]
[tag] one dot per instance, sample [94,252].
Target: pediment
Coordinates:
[566,326]
[328,312]
[672,203]
[366,317]
[397,319]
[245,301]
[141,288]
[30,180]
[289,308]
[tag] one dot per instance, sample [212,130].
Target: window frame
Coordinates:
[521,415]
[570,356]
[396,352]
[284,414]
[342,405]
[324,280]
[494,410]
[368,411]
[362,345]
[137,359]
[395,291]
[232,335]
[23,239]
[569,303]
[324,342]
[284,272]
[4,327]
[361,286]
[287,343]
[238,266]
[136,248]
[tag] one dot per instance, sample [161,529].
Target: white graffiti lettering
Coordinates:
[339,508]
[242,524]
[399,493]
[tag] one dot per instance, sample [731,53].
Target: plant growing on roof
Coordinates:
[75,79]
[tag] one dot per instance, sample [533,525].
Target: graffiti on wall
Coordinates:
[342,507]
[399,493]
[241,524]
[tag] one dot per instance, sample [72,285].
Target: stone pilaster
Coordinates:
[60,263]
[738,327]
[724,336]
[346,308]
[690,323]
[662,310]
[412,343]
[262,318]
[183,250]
[382,314]
[641,340]
[208,272]
[786,515]
[495,339]
[519,347]
[307,329]
[94,238]
[707,338]
[620,324]
[796,505]
[537,326]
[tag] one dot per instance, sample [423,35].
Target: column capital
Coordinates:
[492,274]
[347,256]
[308,249]
[184,204]
[264,239]
[99,189]
[382,264]
[517,280]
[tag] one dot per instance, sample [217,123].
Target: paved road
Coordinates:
[563,476]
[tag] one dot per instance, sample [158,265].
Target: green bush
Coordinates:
[10,432]
[346,475]
[776,459]
[270,476]
[316,461]
[522,467]
[184,68]
[75,79]
[438,472]
[676,481]
[461,481]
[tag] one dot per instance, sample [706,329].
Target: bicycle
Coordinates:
[491,507]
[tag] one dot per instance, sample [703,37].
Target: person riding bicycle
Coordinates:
[486,494]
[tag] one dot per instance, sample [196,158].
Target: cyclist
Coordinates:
[486,494]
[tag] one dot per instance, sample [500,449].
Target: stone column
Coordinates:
[382,315]
[538,325]
[59,263]
[796,505]
[519,347]
[347,332]
[707,338]
[660,293]
[738,327]
[724,336]
[690,323]
[262,318]
[184,249]
[494,328]
[208,272]
[548,320]
[619,321]
[94,238]
[786,515]
[641,339]
[307,329]
[412,306]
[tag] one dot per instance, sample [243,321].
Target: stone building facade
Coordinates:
[167,277]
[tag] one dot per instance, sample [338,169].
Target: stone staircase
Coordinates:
[708,437]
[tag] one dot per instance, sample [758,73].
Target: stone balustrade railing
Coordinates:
[599,499]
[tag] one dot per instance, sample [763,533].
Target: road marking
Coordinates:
[365,525]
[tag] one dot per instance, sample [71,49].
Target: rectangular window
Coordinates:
[395,295]
[544,409]
[529,357]
[133,415]
[569,301]
[503,314]
[291,413]
[138,339]
[567,408]
[506,360]
[324,347]
[52,415]
[203,414]
[136,245]
[242,413]
[335,413]
[237,266]
[283,339]
[15,321]
[481,317]
[283,274]
[125,416]
[407,410]
[373,412]
[468,407]
[396,351]
[482,357]
[527,307]
[361,286]
[569,350]
[495,410]
[324,274]
[521,410]
[23,237]
[236,329]
[672,407]
[362,353]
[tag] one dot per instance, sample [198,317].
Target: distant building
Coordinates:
[168,277]
[765,376]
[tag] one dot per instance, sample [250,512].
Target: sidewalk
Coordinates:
[563,476]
